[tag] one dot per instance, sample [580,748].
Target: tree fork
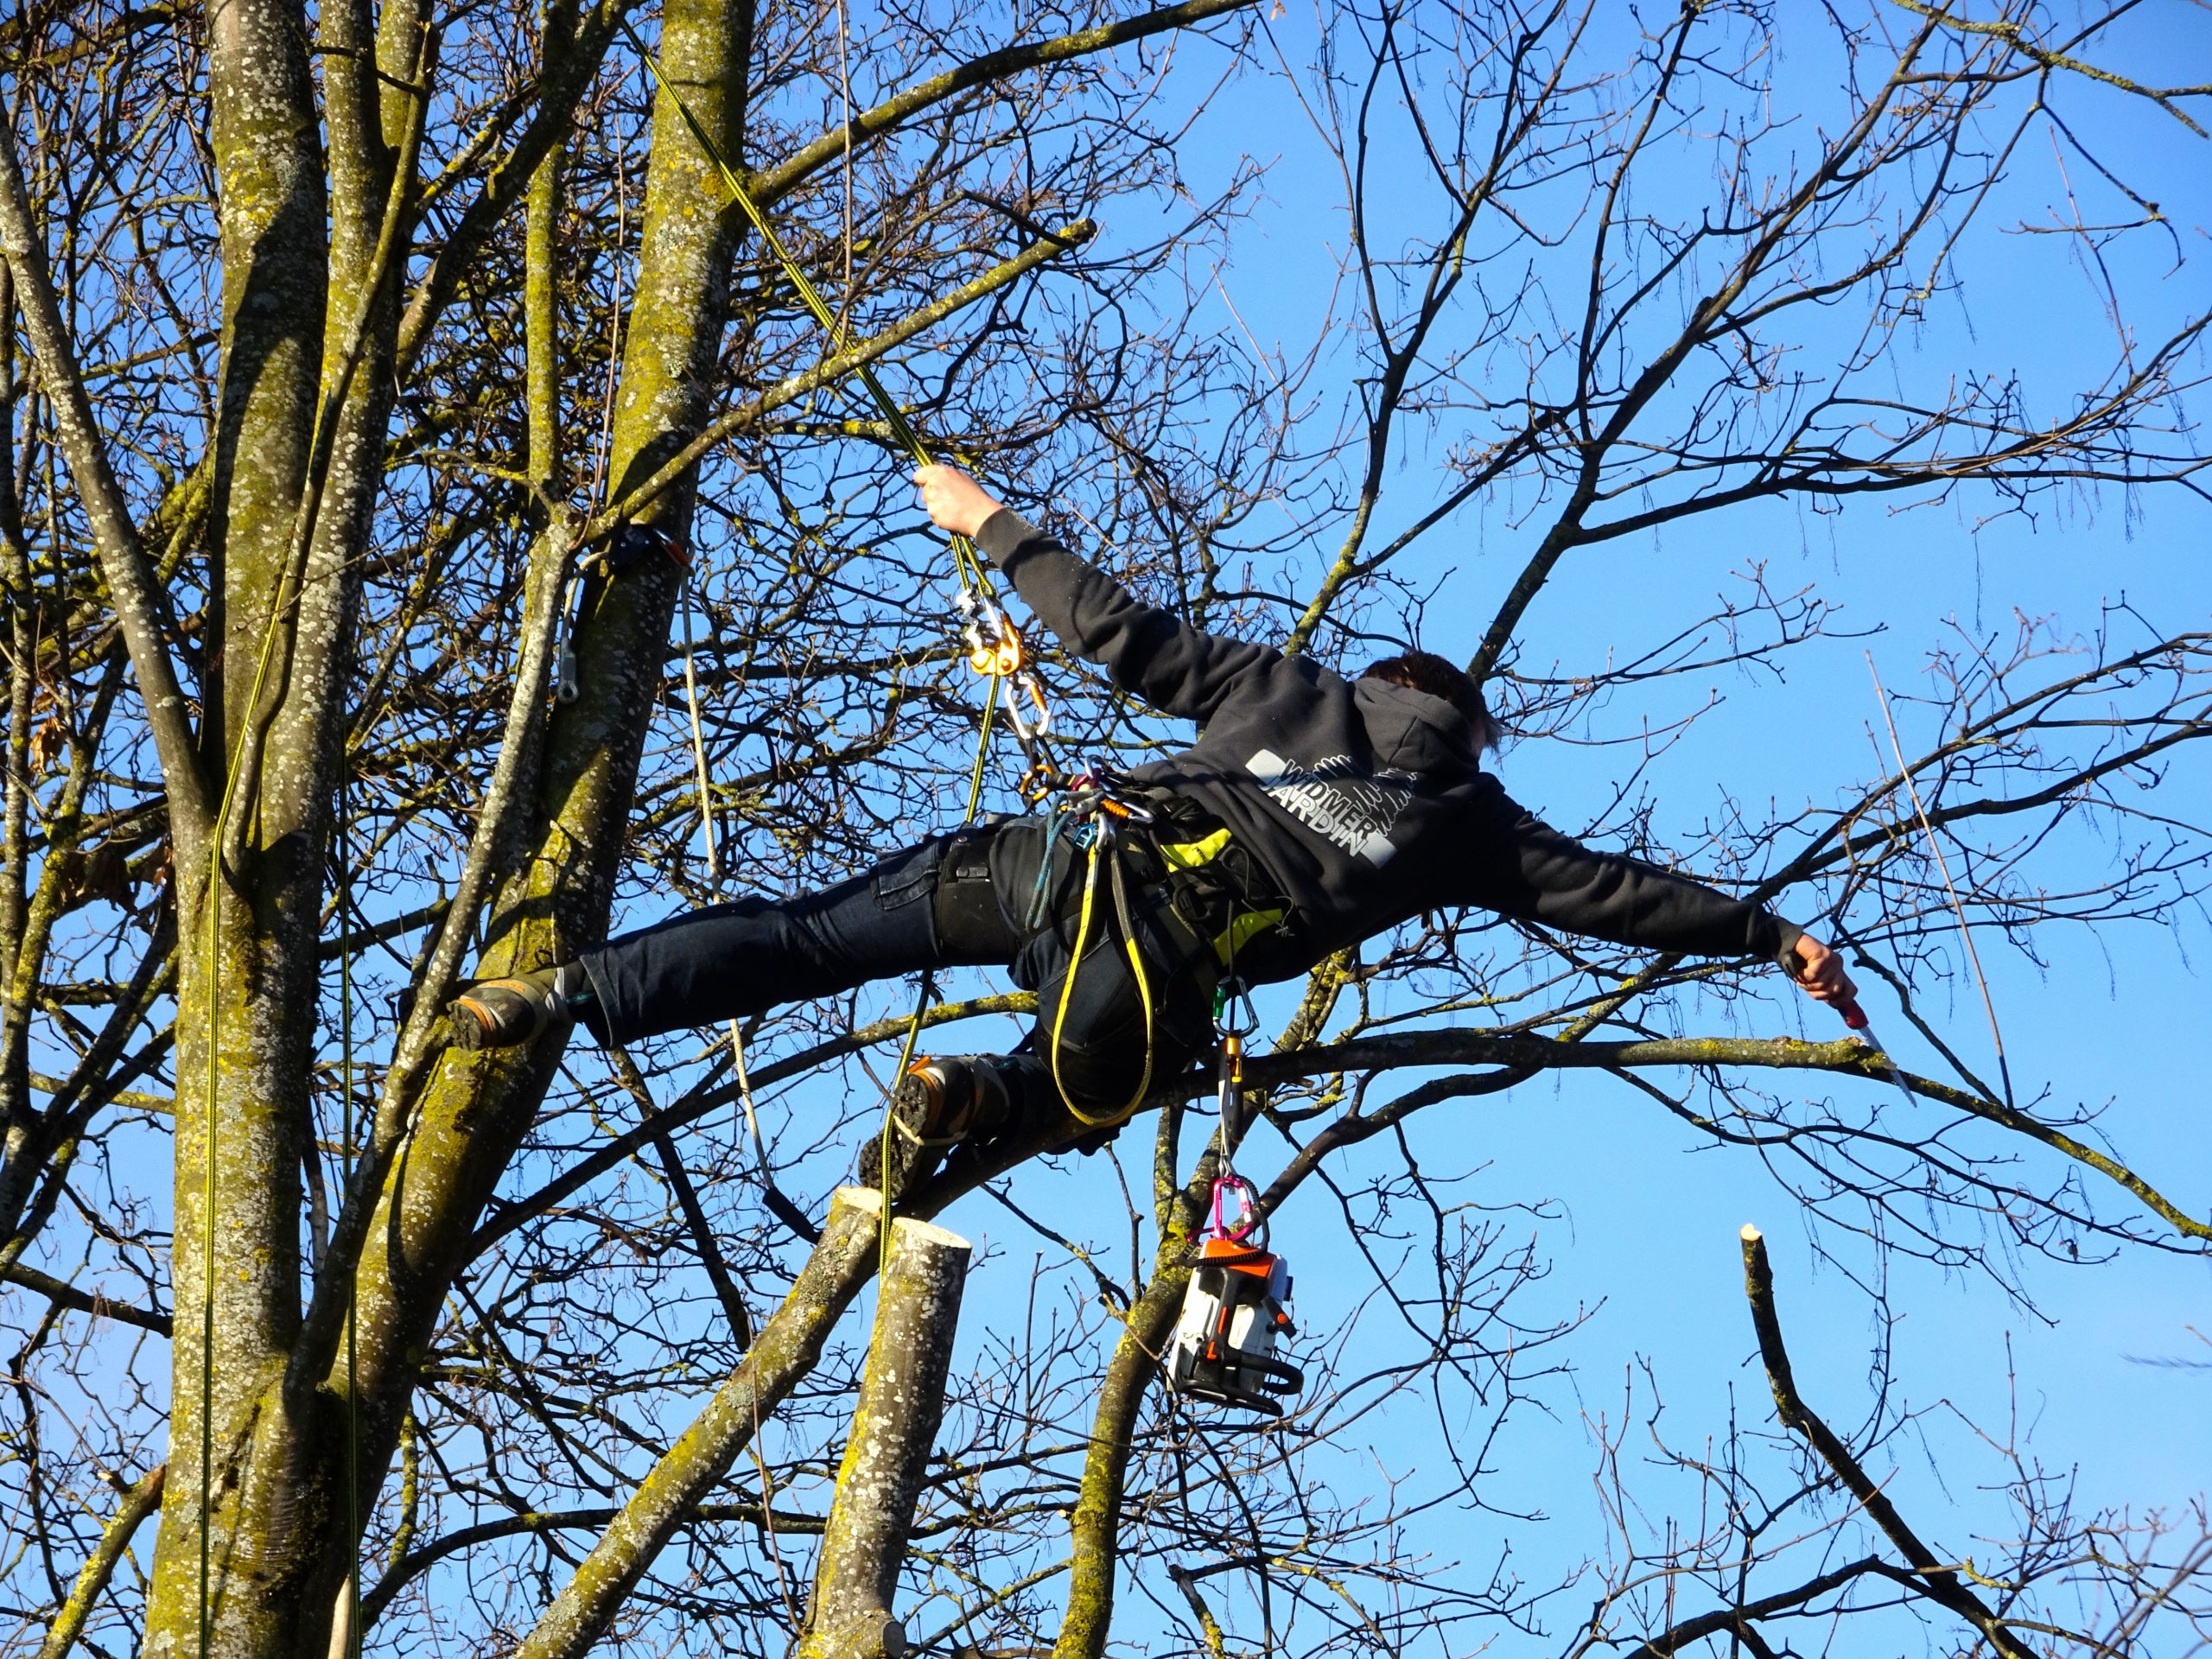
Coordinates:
[549,857]
[1938,1581]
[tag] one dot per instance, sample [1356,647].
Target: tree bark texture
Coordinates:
[1095,1528]
[555,895]
[894,1426]
[243,985]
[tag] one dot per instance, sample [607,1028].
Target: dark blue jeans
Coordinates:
[970,899]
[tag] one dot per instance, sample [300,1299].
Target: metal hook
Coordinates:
[1234,1016]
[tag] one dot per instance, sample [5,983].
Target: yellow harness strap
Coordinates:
[1101,834]
[1246,925]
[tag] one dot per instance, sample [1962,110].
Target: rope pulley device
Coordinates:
[631,544]
[995,651]
[1237,1305]
[994,645]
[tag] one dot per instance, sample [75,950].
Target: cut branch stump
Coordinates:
[894,1426]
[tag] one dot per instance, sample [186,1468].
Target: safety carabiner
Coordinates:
[1029,730]
[1248,1211]
[1233,1013]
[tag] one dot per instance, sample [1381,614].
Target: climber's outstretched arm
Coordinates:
[1521,867]
[1176,668]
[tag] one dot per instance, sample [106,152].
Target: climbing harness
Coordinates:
[1202,895]
[1237,1304]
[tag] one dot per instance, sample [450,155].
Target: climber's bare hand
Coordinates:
[1820,971]
[954,501]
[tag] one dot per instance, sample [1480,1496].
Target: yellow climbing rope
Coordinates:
[964,551]
[995,646]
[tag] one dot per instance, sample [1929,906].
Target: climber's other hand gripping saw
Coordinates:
[1855,1019]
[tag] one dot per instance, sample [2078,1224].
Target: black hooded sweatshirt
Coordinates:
[1366,802]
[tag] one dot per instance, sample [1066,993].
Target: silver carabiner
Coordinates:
[1026,684]
[1234,1016]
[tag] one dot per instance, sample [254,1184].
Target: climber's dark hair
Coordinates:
[1422,670]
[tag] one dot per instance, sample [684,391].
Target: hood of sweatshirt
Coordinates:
[1411,731]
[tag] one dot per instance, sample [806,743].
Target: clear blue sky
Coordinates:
[1640,1222]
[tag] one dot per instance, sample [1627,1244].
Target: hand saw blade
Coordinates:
[1854,1017]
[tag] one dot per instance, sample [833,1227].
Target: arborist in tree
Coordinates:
[1312,812]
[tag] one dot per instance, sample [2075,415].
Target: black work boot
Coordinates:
[501,1013]
[939,1104]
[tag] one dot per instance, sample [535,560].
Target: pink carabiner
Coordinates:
[1247,1205]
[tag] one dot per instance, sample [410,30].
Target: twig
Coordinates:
[140,1500]
[61,1293]
[1938,1581]
[1966,935]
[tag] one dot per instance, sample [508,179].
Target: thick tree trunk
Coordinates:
[475,1109]
[894,1426]
[239,1143]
